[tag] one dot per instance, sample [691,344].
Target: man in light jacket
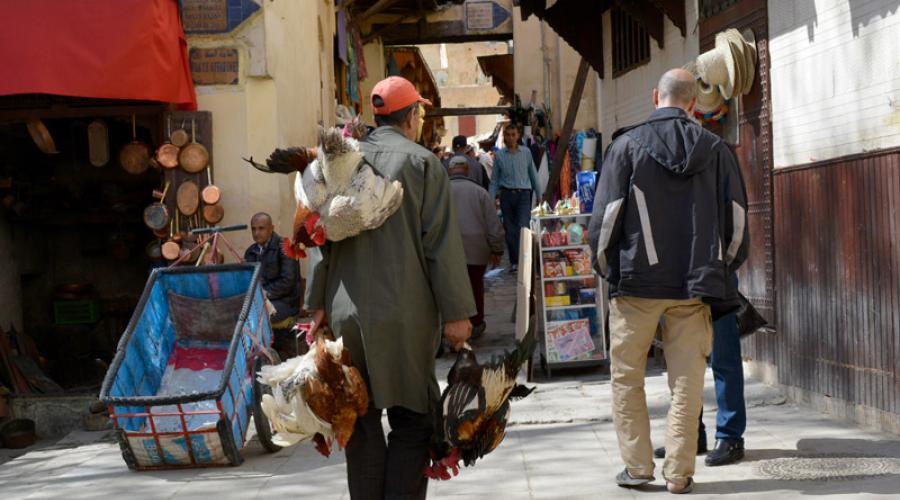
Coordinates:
[669,227]
[481,230]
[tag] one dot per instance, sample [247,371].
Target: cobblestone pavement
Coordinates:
[561,444]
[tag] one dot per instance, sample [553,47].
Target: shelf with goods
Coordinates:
[572,304]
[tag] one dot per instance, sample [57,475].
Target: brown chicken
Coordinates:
[316,396]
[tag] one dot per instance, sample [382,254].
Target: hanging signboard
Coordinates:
[215,66]
[215,16]
[485,15]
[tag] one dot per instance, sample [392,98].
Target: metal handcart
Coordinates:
[182,386]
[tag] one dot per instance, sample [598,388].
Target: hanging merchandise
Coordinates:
[565,177]
[717,116]
[341,30]
[393,67]
[361,70]
[352,78]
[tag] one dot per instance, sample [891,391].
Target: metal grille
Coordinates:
[631,43]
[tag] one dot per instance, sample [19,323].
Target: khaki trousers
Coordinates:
[687,340]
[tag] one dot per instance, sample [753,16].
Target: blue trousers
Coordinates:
[516,209]
[728,373]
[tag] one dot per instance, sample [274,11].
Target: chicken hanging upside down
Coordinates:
[338,193]
[316,396]
[475,408]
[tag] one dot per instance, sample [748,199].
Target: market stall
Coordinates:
[572,297]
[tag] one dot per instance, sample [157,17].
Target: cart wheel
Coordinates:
[263,427]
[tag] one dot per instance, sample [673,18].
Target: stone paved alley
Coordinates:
[561,445]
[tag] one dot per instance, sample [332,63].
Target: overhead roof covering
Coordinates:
[126,49]
[500,68]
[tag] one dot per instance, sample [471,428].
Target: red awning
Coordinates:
[122,49]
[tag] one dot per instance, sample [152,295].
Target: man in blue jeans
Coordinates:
[515,179]
[731,416]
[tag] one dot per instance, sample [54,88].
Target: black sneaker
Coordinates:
[626,480]
[701,447]
[727,451]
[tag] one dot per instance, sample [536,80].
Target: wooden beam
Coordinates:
[379,6]
[489,110]
[649,15]
[375,33]
[675,11]
[436,32]
[566,133]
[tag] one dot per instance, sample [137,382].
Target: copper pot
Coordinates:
[156,215]
[210,193]
[179,137]
[167,154]
[213,213]
[194,157]
[188,198]
[170,250]
[134,156]
[98,143]
[41,136]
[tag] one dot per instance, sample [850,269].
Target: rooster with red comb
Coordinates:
[338,194]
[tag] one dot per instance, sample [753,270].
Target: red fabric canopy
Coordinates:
[121,49]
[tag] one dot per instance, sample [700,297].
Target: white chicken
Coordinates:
[316,396]
[338,194]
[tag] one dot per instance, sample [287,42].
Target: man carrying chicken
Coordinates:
[387,291]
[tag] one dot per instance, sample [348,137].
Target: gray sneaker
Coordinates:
[626,480]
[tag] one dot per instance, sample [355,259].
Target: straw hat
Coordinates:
[716,66]
[709,98]
[733,64]
[750,58]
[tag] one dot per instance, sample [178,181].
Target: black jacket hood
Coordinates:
[670,126]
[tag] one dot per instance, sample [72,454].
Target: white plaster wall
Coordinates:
[281,107]
[835,73]
[627,100]
[544,63]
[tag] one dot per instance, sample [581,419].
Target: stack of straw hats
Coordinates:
[725,71]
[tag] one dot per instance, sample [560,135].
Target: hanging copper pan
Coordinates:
[188,198]
[41,136]
[194,157]
[180,137]
[156,215]
[167,154]
[210,194]
[98,143]
[213,213]
[171,249]
[134,156]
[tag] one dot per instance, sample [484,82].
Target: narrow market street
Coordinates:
[561,444]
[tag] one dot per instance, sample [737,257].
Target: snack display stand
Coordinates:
[572,296]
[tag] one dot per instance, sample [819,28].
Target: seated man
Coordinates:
[280,279]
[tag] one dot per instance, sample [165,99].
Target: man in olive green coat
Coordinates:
[387,291]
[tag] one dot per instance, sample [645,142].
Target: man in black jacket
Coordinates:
[279,276]
[669,226]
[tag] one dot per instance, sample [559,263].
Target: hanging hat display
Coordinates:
[730,65]
[709,99]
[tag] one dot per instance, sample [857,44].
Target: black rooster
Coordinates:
[475,408]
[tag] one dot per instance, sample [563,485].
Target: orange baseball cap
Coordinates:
[393,94]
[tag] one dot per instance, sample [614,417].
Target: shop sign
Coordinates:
[216,66]
[485,15]
[215,16]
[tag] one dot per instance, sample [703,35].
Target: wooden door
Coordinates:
[754,147]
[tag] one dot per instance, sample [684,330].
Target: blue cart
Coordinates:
[182,386]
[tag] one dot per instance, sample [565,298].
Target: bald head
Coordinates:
[676,89]
[261,227]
